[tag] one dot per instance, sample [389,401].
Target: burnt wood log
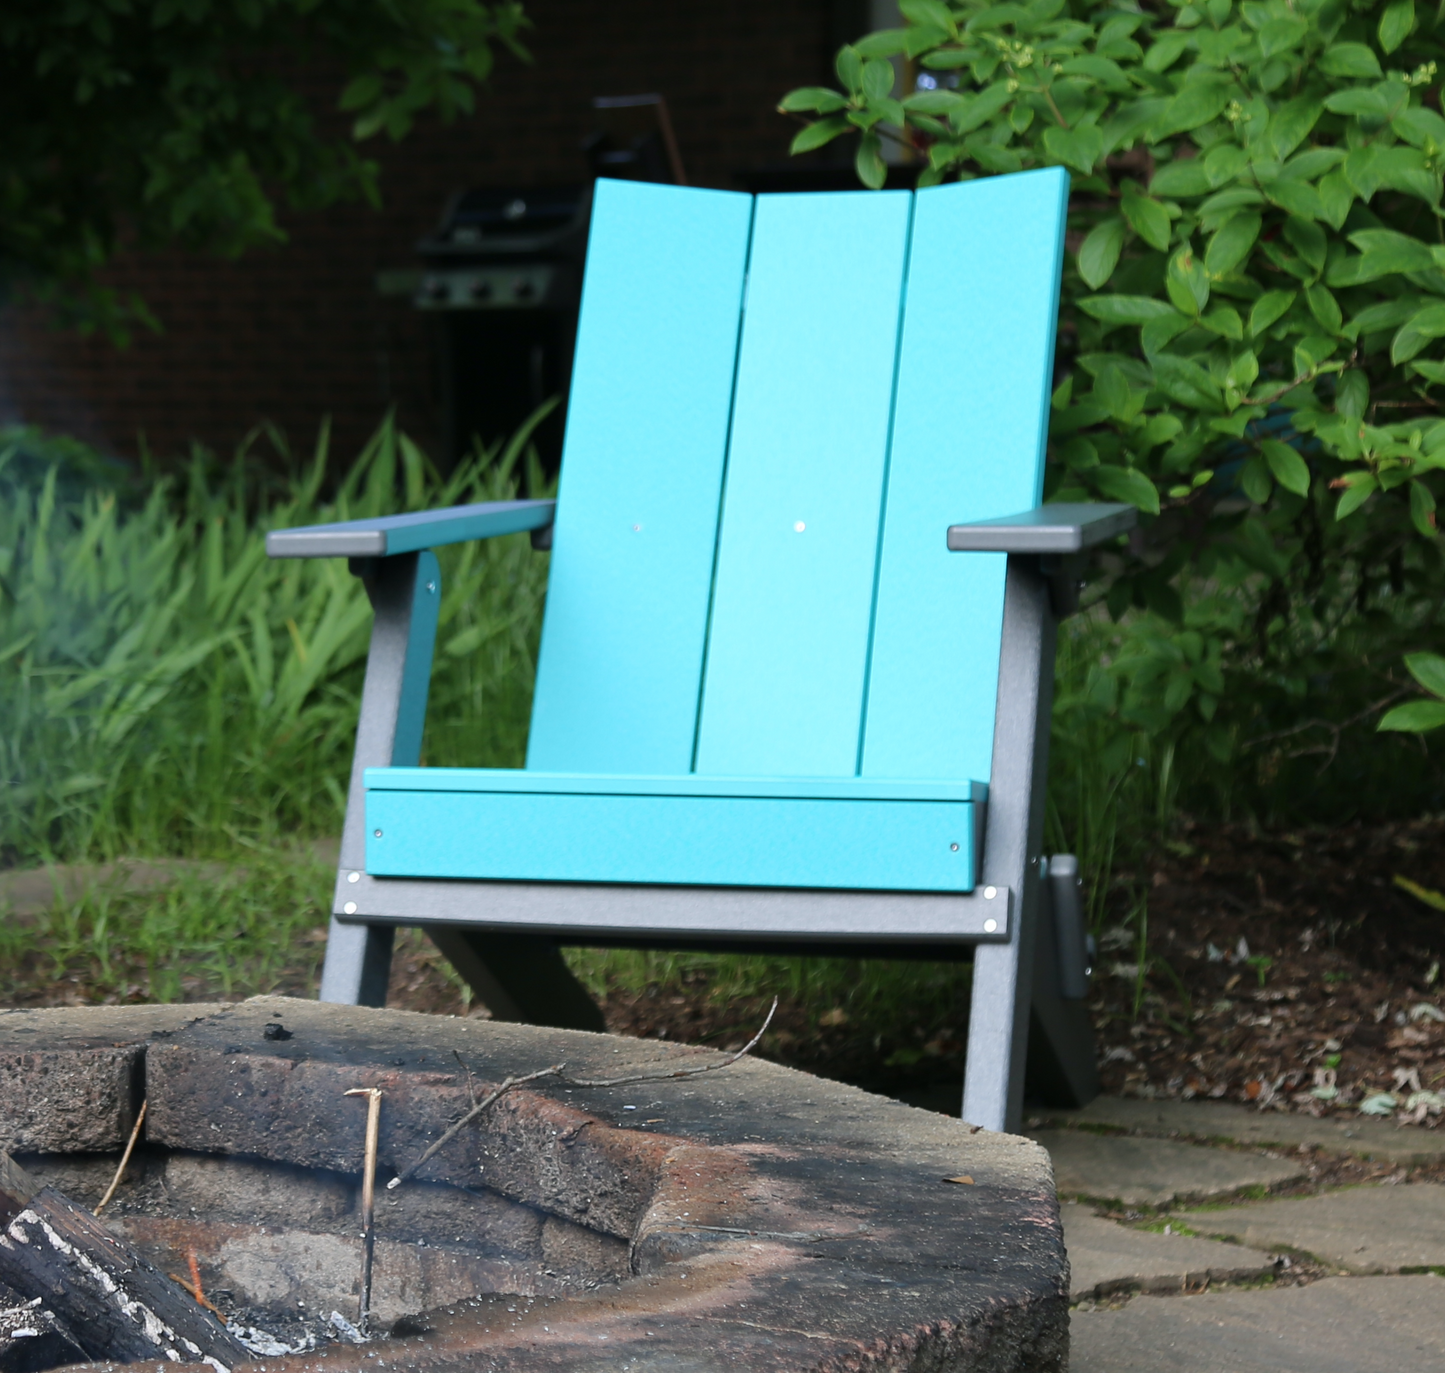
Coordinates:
[113,1303]
[33,1339]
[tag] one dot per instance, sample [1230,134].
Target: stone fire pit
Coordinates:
[753,1218]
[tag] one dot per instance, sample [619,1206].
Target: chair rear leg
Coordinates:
[520,977]
[358,964]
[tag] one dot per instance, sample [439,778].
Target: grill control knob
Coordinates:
[523,289]
[481,290]
[436,289]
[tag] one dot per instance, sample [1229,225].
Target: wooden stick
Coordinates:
[194,1292]
[124,1159]
[368,1196]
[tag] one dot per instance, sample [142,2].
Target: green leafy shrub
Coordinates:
[165,688]
[1252,339]
[1415,717]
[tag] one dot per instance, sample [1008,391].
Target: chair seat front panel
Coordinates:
[682,840]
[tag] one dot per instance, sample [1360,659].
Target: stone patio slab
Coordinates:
[1205,1120]
[1338,1325]
[1106,1257]
[1372,1229]
[1150,1172]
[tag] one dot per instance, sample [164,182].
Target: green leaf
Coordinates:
[981,108]
[1417,332]
[1291,123]
[1349,59]
[1307,239]
[1396,23]
[1079,148]
[878,78]
[1231,243]
[1422,515]
[849,66]
[1286,466]
[1279,35]
[1336,197]
[868,162]
[819,132]
[1186,382]
[1419,125]
[1355,495]
[1296,197]
[1124,309]
[1183,177]
[1414,717]
[926,12]
[1099,252]
[935,102]
[1429,670]
[1195,105]
[1325,308]
[1384,251]
[1352,394]
[1223,162]
[1267,309]
[817,98]
[1255,480]
[1224,320]
[1187,282]
[1166,51]
[1159,332]
[884,43]
[1149,219]
[1127,484]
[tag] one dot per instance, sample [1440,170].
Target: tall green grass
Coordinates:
[165,688]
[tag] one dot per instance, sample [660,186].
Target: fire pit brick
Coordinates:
[764,1219]
[70,1078]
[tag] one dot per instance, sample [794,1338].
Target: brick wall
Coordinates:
[291,334]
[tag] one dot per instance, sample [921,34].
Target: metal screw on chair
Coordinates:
[953,847]
[376,834]
[353,877]
[431,587]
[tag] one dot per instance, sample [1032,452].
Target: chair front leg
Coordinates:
[405,593]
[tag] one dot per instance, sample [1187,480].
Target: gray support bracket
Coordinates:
[405,593]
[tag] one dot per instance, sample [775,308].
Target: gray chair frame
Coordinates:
[1023,920]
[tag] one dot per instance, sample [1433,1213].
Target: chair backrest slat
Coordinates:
[750,576]
[971,419]
[793,594]
[628,589]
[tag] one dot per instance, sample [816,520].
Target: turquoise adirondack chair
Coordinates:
[796,662]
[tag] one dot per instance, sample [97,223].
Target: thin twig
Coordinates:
[199,1296]
[124,1159]
[681,1072]
[408,1173]
[556,1071]
[368,1197]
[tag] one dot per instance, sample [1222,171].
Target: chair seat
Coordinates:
[512,825]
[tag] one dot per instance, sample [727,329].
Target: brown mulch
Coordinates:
[1281,964]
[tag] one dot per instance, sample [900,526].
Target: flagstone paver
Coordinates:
[1152,1172]
[1373,1229]
[1205,1120]
[1337,1325]
[1106,1257]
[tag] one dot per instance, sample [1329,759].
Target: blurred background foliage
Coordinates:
[187,122]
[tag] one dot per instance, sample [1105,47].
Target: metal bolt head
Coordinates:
[376,834]
[350,908]
[432,588]
[799,527]
[953,848]
[353,877]
[989,893]
[989,926]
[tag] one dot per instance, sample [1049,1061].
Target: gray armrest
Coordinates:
[391,534]
[1060,529]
